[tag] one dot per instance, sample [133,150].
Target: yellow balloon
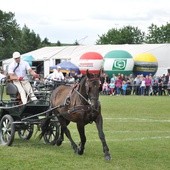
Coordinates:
[145,57]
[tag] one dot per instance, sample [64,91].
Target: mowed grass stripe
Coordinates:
[134,119]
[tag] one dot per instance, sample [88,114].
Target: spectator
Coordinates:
[155,85]
[124,87]
[105,88]
[143,85]
[137,82]
[112,87]
[148,83]
[168,87]
[160,84]
[118,85]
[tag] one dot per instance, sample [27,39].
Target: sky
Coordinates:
[84,21]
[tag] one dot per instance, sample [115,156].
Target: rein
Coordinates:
[88,101]
[75,88]
[82,96]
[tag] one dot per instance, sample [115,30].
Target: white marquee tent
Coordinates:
[73,53]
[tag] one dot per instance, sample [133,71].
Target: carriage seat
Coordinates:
[12,91]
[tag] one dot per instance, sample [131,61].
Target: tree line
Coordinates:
[133,35]
[13,38]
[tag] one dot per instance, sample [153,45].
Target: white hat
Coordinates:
[58,66]
[16,55]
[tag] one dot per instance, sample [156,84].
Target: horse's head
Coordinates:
[92,88]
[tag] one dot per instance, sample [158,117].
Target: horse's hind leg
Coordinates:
[65,130]
[67,133]
[61,138]
[99,125]
[80,149]
[64,123]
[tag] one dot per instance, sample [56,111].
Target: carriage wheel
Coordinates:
[52,134]
[7,130]
[26,131]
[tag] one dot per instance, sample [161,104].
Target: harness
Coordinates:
[67,100]
[81,109]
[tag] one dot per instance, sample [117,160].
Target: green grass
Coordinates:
[137,130]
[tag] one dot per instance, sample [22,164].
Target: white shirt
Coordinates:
[1,77]
[21,70]
[142,83]
[57,75]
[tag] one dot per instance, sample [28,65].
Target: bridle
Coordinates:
[91,80]
[87,90]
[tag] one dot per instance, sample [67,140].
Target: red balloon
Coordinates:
[91,61]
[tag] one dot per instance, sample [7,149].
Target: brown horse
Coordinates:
[79,104]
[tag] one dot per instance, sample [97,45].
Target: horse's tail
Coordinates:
[44,126]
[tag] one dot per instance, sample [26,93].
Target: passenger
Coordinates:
[49,77]
[17,72]
[71,79]
[57,74]
[2,76]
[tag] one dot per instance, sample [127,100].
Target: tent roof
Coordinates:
[73,53]
[67,66]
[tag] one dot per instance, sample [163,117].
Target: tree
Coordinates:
[158,34]
[30,41]
[13,38]
[9,35]
[45,42]
[125,35]
[58,43]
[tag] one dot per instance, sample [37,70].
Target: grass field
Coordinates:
[137,129]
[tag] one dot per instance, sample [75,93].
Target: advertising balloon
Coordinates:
[145,63]
[118,61]
[91,61]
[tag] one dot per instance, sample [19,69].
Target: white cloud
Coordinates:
[70,20]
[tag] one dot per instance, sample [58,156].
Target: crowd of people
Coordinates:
[135,85]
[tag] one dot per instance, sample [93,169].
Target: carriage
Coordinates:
[23,119]
[54,110]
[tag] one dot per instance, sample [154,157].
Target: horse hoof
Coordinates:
[108,158]
[80,152]
[59,142]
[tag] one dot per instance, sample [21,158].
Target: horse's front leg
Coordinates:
[81,130]
[99,125]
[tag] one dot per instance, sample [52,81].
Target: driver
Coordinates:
[17,72]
